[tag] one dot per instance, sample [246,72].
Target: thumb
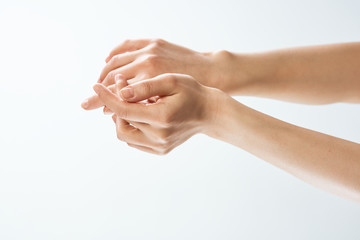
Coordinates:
[163,85]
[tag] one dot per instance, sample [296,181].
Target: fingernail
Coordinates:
[127,93]
[85,103]
[107,59]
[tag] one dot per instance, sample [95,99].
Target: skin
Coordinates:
[310,75]
[160,126]
[158,117]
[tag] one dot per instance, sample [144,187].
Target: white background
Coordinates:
[63,173]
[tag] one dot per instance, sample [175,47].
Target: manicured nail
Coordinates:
[127,93]
[85,103]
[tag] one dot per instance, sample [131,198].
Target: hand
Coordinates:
[137,60]
[183,108]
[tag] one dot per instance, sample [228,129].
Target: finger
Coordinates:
[129,111]
[114,118]
[137,79]
[128,71]
[153,131]
[153,99]
[128,46]
[118,61]
[141,76]
[144,149]
[94,101]
[140,126]
[128,133]
[163,85]
[120,83]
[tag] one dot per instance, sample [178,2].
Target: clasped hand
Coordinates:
[156,108]
[180,110]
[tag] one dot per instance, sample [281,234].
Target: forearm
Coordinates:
[313,75]
[322,160]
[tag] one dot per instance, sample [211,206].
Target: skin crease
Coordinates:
[311,75]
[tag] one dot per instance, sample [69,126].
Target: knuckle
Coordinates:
[116,59]
[159,153]
[121,112]
[132,145]
[111,75]
[164,137]
[144,75]
[126,42]
[113,60]
[120,135]
[158,41]
[155,45]
[168,150]
[151,59]
[166,119]
[153,48]
[171,79]
[151,62]
[146,87]
[164,151]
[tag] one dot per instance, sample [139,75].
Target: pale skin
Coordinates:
[178,92]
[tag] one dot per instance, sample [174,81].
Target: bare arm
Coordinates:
[187,107]
[327,162]
[311,75]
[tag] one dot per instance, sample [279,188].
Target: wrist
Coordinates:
[230,72]
[216,109]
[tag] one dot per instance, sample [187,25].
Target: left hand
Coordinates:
[140,59]
[183,108]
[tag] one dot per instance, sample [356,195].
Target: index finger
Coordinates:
[128,111]
[94,101]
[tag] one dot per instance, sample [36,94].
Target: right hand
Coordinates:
[183,109]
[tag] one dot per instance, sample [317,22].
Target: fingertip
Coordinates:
[85,104]
[107,59]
